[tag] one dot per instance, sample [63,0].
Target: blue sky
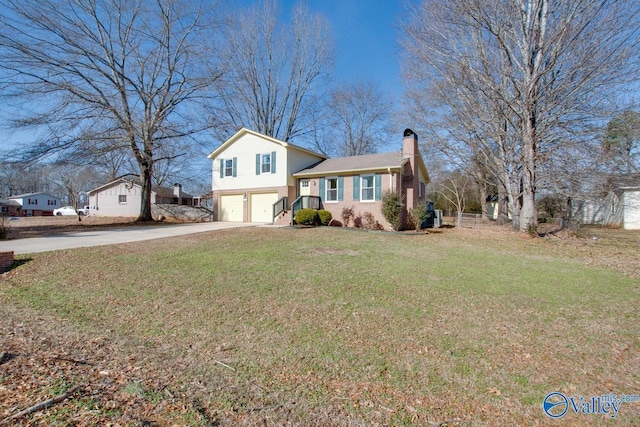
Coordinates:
[365,38]
[365,41]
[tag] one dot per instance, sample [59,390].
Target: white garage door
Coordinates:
[231,208]
[262,207]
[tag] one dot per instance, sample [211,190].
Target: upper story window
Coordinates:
[266,163]
[228,167]
[122,198]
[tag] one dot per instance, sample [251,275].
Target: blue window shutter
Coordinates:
[321,188]
[257,164]
[235,166]
[221,168]
[356,188]
[273,162]
[378,184]
[340,189]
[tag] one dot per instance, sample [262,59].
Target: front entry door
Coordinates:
[305,190]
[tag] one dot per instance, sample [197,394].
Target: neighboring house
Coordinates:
[620,208]
[492,204]
[122,197]
[588,211]
[622,203]
[251,172]
[37,204]
[9,207]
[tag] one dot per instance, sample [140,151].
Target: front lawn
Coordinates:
[329,326]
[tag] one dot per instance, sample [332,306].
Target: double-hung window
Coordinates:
[266,163]
[228,167]
[332,190]
[122,198]
[367,187]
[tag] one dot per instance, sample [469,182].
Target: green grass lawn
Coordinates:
[338,327]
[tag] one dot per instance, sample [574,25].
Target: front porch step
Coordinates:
[283,219]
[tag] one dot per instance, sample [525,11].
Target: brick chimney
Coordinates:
[177,193]
[410,151]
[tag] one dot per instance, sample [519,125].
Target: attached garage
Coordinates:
[231,208]
[262,207]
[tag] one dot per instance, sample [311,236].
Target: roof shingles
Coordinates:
[367,162]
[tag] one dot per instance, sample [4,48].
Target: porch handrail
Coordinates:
[279,207]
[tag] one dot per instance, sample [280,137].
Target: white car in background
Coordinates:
[65,210]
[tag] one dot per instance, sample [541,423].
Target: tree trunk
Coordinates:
[503,204]
[145,201]
[528,213]
[483,201]
[513,195]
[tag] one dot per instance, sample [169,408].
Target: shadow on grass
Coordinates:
[17,263]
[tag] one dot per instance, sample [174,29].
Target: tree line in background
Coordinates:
[517,98]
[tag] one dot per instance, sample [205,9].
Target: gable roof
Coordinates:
[115,182]
[21,196]
[159,191]
[10,202]
[244,131]
[364,163]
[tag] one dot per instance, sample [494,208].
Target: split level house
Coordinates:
[261,179]
[35,204]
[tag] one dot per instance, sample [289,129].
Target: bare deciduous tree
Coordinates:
[100,70]
[527,76]
[359,117]
[275,71]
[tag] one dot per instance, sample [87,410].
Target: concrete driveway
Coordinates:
[111,236]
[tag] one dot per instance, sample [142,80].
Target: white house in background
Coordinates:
[588,211]
[37,204]
[252,171]
[622,203]
[117,198]
[123,197]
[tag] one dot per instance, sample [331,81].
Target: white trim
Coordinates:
[326,189]
[372,188]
